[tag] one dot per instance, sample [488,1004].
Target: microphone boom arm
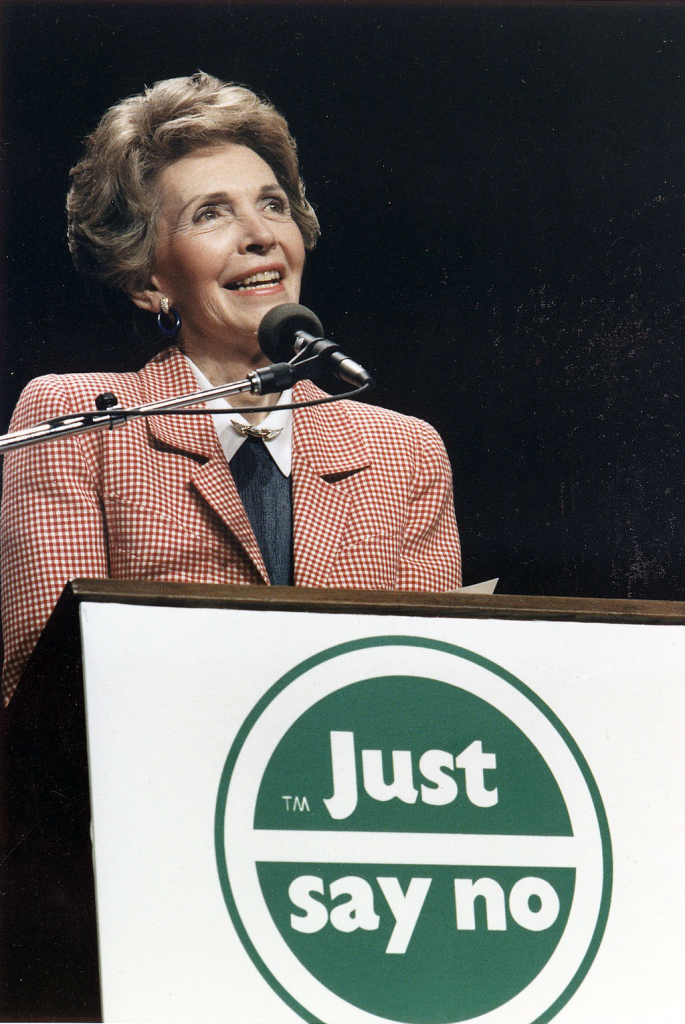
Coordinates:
[109,414]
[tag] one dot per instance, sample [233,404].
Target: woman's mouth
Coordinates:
[264,279]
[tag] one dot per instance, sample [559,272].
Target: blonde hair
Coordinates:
[112,202]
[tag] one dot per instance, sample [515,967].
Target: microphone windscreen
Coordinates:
[278,328]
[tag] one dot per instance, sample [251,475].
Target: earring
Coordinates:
[168,311]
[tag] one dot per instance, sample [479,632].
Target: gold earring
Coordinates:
[168,311]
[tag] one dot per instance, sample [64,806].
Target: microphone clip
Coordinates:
[271,379]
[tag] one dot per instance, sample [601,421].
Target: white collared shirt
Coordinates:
[280,448]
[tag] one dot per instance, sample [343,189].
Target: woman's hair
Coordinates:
[113,200]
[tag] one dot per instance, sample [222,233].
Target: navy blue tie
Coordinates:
[266,494]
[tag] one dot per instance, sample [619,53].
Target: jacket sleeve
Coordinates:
[52,526]
[431,554]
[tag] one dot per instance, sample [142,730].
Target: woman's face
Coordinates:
[228,249]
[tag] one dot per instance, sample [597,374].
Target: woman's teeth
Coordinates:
[264,277]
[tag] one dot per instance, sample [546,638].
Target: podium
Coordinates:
[260,805]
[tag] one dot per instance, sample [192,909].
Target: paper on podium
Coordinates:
[486,587]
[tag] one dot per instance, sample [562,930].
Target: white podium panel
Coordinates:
[364,818]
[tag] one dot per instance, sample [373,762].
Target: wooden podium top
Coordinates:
[378,602]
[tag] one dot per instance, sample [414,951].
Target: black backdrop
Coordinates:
[500,189]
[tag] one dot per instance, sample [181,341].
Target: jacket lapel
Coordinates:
[327,449]
[166,376]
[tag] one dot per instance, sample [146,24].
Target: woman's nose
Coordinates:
[257,233]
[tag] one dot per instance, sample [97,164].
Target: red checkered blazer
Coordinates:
[156,500]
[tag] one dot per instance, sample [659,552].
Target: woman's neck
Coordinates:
[224,367]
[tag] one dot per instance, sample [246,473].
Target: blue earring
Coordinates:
[167,310]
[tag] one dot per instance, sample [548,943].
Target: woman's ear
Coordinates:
[149,298]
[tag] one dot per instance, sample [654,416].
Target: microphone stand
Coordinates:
[109,414]
[310,360]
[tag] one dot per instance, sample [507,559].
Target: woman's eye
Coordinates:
[275,204]
[207,215]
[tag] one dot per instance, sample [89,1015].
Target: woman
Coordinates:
[188,199]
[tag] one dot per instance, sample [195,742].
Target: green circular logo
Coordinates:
[405,832]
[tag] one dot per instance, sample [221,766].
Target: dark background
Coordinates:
[500,189]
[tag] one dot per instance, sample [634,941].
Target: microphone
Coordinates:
[293,328]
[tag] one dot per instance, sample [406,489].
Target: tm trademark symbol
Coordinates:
[299,803]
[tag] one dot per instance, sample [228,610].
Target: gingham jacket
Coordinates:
[156,500]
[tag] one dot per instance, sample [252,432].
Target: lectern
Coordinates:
[262,805]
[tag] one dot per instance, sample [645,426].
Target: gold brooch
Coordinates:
[263,433]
